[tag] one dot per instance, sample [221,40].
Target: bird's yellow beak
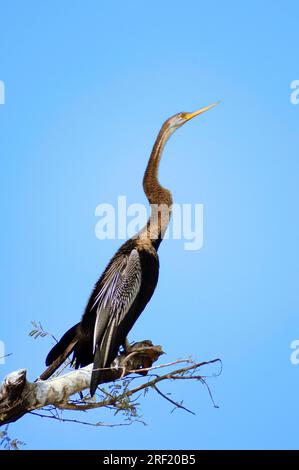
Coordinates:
[189,116]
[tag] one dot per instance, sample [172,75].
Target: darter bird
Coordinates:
[128,282]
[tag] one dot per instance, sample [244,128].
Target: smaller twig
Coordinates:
[168,364]
[98,424]
[6,355]
[209,391]
[177,405]
[40,332]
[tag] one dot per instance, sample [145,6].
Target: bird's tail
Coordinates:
[97,372]
[105,353]
[63,344]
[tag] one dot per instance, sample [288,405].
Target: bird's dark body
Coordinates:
[83,352]
[149,278]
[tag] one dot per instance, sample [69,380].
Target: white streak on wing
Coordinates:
[110,334]
[121,286]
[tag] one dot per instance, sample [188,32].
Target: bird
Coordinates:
[130,278]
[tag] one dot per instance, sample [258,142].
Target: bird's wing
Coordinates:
[121,284]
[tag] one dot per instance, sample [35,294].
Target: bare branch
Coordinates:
[18,396]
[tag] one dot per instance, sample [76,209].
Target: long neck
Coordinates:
[160,198]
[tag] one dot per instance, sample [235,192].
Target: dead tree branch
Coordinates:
[19,396]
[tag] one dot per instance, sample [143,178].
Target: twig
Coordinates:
[177,405]
[88,423]
[6,355]
[177,374]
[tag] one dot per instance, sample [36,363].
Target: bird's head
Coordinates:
[176,121]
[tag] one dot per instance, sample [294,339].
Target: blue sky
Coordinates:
[87,86]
